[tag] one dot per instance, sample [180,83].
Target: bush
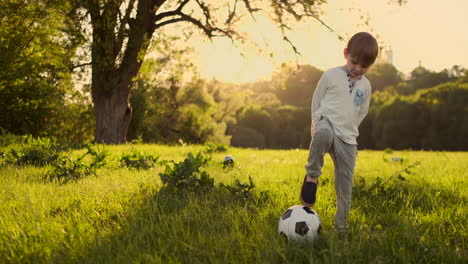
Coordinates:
[138,160]
[215,148]
[240,189]
[186,175]
[390,189]
[66,168]
[34,151]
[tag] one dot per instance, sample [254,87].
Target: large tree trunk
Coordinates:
[113,114]
[112,78]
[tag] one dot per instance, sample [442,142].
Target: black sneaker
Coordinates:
[308,193]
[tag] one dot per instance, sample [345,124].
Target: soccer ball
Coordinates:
[300,224]
[228,161]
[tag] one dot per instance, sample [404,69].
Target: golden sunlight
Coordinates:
[426,31]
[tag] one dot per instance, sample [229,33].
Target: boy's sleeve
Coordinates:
[364,108]
[319,93]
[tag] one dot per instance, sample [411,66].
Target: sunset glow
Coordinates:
[421,30]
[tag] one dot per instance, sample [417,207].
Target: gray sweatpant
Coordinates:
[343,155]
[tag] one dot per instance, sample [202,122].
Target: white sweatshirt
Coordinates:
[343,103]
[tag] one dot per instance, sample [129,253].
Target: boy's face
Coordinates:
[353,66]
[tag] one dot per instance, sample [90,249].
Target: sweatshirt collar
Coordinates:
[348,73]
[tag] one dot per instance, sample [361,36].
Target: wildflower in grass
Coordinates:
[422,239]
[378,227]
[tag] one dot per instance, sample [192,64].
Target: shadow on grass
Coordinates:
[183,227]
[218,227]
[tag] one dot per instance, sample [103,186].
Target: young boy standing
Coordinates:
[340,103]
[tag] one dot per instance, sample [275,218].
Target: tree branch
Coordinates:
[171,21]
[232,13]
[249,7]
[285,38]
[206,12]
[73,67]
[207,29]
[327,26]
[81,65]
[184,17]
[123,23]
[142,29]
[171,13]
[92,7]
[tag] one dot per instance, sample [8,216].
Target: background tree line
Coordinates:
[426,111]
[41,47]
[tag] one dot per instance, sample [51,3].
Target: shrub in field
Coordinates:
[34,151]
[239,188]
[186,175]
[98,156]
[65,168]
[244,193]
[215,148]
[138,160]
[387,188]
[388,151]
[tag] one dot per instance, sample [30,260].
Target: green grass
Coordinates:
[127,216]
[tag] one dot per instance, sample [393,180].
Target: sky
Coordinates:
[430,32]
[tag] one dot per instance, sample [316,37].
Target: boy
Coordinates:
[340,103]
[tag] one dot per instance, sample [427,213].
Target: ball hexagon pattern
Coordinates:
[299,223]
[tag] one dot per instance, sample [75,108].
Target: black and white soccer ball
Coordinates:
[300,224]
[228,161]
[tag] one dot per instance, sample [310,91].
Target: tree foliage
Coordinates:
[431,119]
[293,83]
[38,42]
[423,78]
[167,110]
[382,75]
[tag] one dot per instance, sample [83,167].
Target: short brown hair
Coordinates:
[363,46]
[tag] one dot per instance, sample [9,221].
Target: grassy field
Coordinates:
[409,211]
